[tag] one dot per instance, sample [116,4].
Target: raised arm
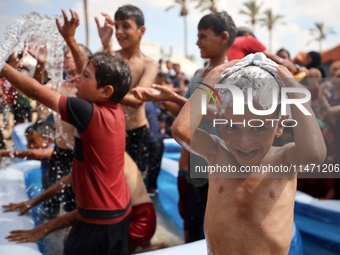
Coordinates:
[287,63]
[190,116]
[68,31]
[31,88]
[106,31]
[309,146]
[158,93]
[39,232]
[40,54]
[147,79]
[63,184]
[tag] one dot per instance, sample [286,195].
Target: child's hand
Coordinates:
[155,94]
[216,72]
[24,206]
[39,53]
[286,76]
[105,32]
[68,30]
[25,236]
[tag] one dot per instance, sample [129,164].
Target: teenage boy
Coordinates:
[250,213]
[102,194]
[129,28]
[216,33]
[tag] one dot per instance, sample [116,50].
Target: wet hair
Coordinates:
[316,59]
[219,22]
[110,70]
[130,11]
[43,128]
[242,31]
[283,50]
[260,80]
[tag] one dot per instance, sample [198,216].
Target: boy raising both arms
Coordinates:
[102,194]
[250,213]
[129,25]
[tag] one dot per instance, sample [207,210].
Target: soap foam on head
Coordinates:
[256,72]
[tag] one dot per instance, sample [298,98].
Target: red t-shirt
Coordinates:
[243,46]
[102,193]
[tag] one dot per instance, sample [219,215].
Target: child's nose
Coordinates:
[118,30]
[244,141]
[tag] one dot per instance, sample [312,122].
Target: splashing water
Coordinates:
[37,31]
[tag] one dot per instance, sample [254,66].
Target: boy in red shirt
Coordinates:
[102,194]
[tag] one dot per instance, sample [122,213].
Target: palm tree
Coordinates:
[322,32]
[252,11]
[269,21]
[86,23]
[206,5]
[184,13]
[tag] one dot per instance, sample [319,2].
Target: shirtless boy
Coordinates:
[251,214]
[129,25]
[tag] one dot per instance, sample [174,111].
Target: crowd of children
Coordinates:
[108,126]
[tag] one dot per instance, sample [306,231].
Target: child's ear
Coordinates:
[280,127]
[142,30]
[107,91]
[225,37]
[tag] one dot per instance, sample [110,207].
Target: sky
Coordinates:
[166,27]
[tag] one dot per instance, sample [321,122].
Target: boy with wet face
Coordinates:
[102,194]
[129,29]
[250,213]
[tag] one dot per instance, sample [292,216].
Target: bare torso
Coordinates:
[135,116]
[135,182]
[251,215]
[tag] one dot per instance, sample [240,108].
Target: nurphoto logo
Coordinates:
[239,103]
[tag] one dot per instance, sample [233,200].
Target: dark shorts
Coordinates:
[93,239]
[154,164]
[137,146]
[142,226]
[60,166]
